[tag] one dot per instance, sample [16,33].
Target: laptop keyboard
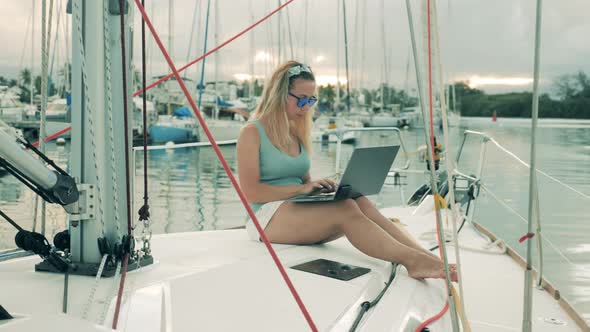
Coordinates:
[323,195]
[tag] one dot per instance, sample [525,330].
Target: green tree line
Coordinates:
[572,91]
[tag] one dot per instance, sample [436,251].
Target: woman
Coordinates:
[273,165]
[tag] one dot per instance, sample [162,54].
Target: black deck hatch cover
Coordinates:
[332,269]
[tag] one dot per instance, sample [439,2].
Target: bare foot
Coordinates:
[426,266]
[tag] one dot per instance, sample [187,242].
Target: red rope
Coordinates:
[446,307]
[121,283]
[432,319]
[227,169]
[50,137]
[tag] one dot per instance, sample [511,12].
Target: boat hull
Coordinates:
[163,134]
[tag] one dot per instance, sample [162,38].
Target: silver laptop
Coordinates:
[364,175]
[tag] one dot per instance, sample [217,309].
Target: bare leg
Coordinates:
[317,222]
[390,227]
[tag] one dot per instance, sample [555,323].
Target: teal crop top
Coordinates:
[277,167]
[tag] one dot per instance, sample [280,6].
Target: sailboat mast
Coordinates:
[533,208]
[280,49]
[454,96]
[337,53]
[45,37]
[170,47]
[216,115]
[305,31]
[202,80]
[346,56]
[67,39]
[384,45]
[171,28]
[363,45]
[355,54]
[193,27]
[91,143]
[407,80]
[252,54]
[32,83]
[290,34]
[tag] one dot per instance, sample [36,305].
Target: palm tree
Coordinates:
[25,76]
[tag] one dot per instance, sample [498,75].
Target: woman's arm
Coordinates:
[306,178]
[248,152]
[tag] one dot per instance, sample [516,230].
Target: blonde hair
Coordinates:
[273,104]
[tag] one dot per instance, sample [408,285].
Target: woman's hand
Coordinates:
[319,186]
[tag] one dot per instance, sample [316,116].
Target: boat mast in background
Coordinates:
[337,103]
[346,56]
[252,54]
[202,80]
[305,31]
[216,79]
[32,84]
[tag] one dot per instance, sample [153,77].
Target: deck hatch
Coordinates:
[332,269]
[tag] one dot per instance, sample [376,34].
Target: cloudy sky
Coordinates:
[489,43]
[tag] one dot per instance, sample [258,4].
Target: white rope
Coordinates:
[524,220]
[94,287]
[109,111]
[448,161]
[431,236]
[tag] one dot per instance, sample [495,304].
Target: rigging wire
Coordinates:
[144,212]
[449,164]
[190,38]
[167,77]
[22,55]
[228,170]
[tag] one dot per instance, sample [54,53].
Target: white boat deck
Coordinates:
[222,281]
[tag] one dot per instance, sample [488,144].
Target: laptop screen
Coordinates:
[367,169]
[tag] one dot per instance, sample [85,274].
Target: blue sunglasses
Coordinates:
[302,101]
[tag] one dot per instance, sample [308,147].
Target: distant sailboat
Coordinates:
[179,127]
